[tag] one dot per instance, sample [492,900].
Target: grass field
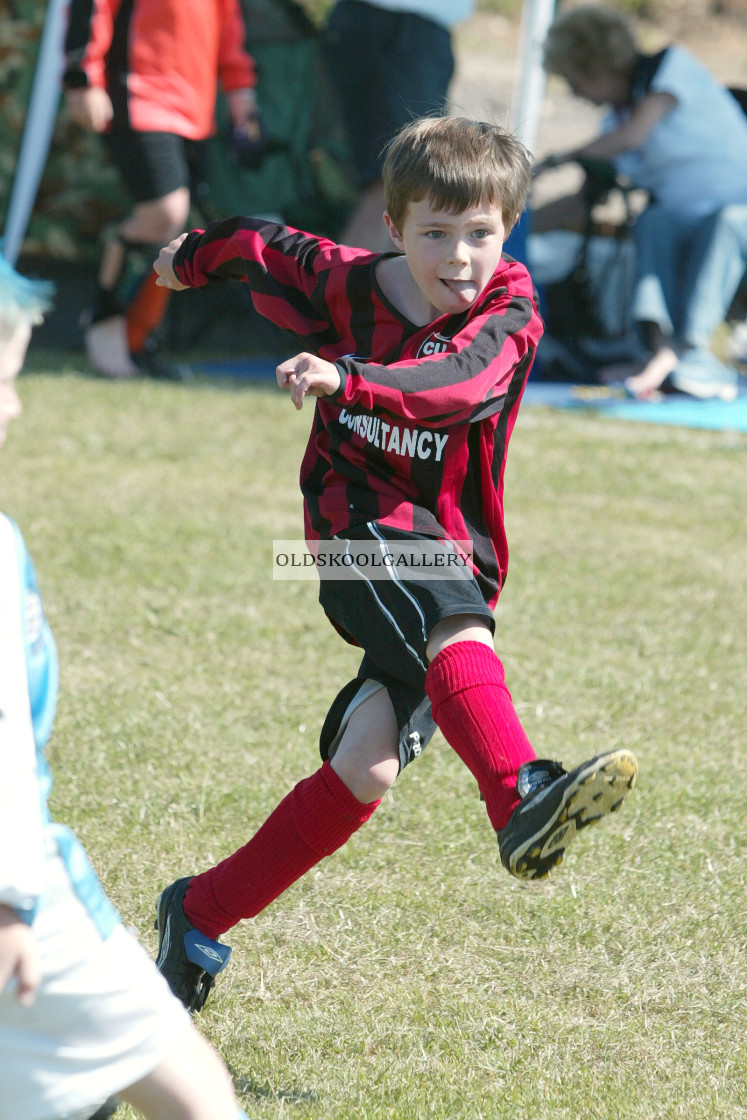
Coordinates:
[408,977]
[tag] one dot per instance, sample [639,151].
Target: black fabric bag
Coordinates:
[577,341]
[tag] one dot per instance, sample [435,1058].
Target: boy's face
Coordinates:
[12,356]
[451,256]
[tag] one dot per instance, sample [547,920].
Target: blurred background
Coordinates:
[306,179]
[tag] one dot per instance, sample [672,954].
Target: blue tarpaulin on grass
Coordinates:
[673,409]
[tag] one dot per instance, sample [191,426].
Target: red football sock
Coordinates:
[473,708]
[146,312]
[314,820]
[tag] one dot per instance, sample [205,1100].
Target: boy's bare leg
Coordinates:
[191,1084]
[367,759]
[459,628]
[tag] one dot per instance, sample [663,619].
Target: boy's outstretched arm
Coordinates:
[308,375]
[164,266]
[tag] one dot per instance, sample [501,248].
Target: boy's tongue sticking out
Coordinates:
[465,290]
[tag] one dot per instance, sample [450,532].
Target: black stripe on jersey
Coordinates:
[312,484]
[285,242]
[118,63]
[302,247]
[318,299]
[361,493]
[297,247]
[76,41]
[511,402]
[363,293]
[471,505]
[358,289]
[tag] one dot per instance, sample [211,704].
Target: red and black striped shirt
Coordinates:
[417,434]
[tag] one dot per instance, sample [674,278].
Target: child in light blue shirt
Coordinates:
[84,1013]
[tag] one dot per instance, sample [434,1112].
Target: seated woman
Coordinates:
[675,132]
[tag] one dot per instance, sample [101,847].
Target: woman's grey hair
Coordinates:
[590,41]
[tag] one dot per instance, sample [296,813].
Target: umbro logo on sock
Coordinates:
[208,955]
[208,951]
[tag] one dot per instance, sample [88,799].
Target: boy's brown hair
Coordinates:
[455,163]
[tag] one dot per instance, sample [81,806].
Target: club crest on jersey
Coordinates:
[433,344]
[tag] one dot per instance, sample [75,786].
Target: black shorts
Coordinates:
[391,618]
[153,164]
[389,67]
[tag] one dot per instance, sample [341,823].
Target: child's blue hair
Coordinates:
[21,299]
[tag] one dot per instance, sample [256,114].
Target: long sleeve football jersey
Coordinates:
[417,434]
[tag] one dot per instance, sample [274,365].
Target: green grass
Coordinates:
[409,977]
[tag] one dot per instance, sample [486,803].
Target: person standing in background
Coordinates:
[145,74]
[391,61]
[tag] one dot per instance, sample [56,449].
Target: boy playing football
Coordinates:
[418,360]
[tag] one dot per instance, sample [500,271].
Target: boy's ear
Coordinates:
[507,233]
[394,232]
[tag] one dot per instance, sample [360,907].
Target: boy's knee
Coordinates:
[367,759]
[159,220]
[458,628]
[367,780]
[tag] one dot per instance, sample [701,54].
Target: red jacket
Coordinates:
[160,60]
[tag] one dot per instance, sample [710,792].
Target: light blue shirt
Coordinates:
[446,12]
[29,677]
[694,161]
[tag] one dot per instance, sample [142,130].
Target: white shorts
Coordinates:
[103,1017]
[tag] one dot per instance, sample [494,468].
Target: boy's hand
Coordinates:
[164,266]
[242,105]
[307,375]
[19,956]
[90,107]
[248,133]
